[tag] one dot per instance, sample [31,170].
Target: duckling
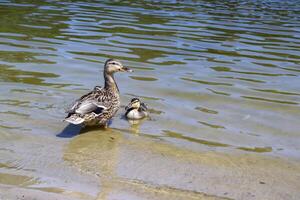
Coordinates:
[101,104]
[136,110]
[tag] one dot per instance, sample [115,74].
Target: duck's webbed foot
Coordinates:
[103,124]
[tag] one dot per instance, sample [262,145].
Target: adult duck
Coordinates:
[101,104]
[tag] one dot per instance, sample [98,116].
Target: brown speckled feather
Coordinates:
[101,104]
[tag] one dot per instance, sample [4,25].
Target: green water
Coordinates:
[218,77]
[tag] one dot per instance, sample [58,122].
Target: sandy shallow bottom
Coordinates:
[112,165]
[132,167]
[144,169]
[18,193]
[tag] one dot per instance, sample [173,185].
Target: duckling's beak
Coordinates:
[126,69]
[131,105]
[144,107]
[128,106]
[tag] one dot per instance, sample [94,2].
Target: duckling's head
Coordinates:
[136,104]
[112,65]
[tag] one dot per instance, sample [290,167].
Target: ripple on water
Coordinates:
[212,125]
[191,139]
[11,74]
[206,82]
[143,78]
[270,100]
[256,149]
[206,110]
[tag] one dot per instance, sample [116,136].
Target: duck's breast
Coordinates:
[135,114]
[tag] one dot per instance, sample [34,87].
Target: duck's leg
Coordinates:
[105,125]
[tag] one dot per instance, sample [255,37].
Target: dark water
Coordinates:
[219,76]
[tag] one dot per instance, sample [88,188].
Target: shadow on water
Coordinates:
[70,131]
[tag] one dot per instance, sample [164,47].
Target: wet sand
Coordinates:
[17,193]
[131,167]
[112,165]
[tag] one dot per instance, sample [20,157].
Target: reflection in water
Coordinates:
[135,125]
[7,73]
[23,57]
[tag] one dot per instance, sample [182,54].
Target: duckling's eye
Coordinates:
[113,63]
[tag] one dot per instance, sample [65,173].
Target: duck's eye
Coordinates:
[113,63]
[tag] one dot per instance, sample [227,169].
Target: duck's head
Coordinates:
[112,65]
[136,104]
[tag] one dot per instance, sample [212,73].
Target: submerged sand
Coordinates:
[112,165]
[132,167]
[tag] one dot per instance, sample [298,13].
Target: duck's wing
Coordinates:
[88,103]
[89,106]
[74,120]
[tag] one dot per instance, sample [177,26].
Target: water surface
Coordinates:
[218,77]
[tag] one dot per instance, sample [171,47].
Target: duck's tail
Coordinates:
[74,119]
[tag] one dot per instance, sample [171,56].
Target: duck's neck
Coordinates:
[110,82]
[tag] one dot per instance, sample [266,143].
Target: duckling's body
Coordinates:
[136,110]
[101,104]
[136,114]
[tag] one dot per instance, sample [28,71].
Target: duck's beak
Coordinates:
[126,69]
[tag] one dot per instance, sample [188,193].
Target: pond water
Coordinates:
[221,79]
